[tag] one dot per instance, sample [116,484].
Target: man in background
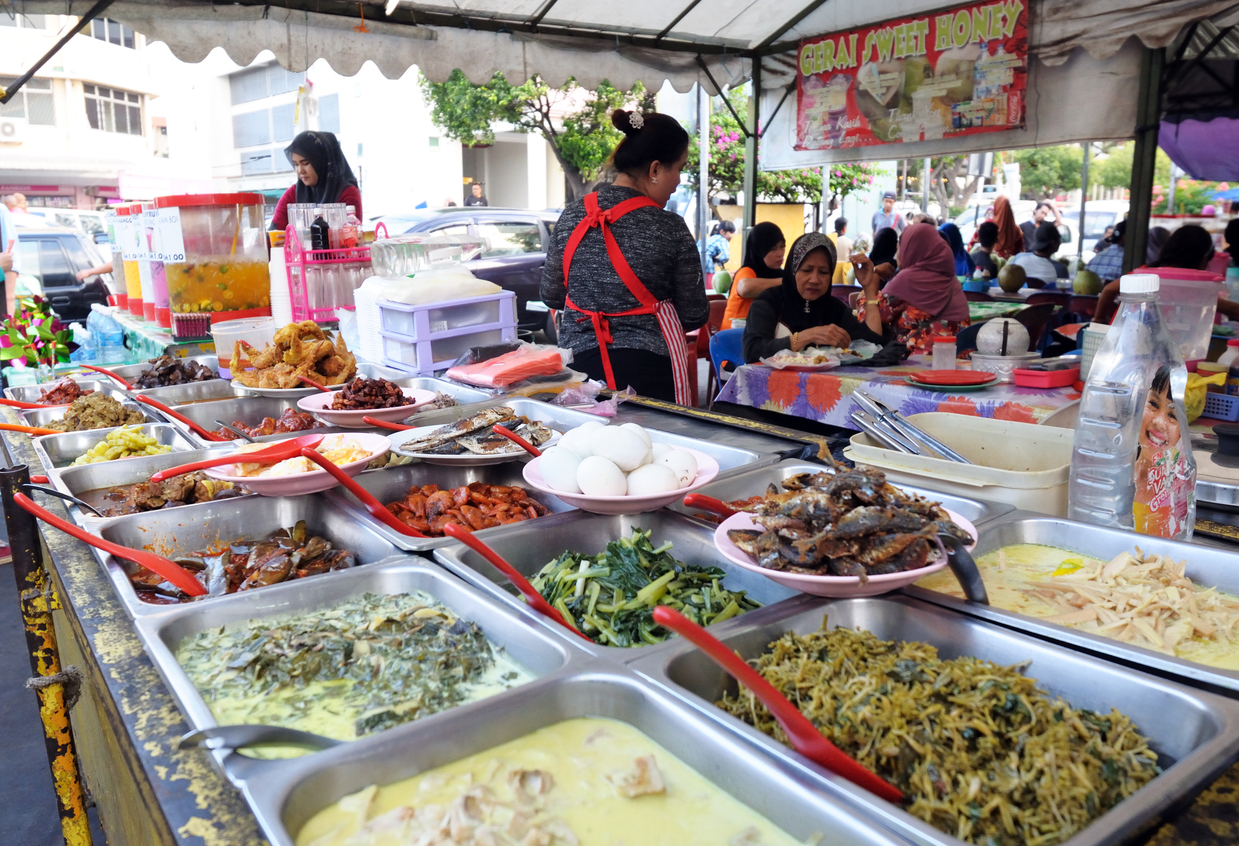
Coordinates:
[476,197]
[16,203]
[1029,227]
[1108,264]
[888,217]
[843,249]
[987,237]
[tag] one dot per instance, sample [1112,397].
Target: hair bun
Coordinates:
[627,122]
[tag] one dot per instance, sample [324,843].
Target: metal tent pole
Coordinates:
[751,144]
[703,175]
[1144,157]
[1088,149]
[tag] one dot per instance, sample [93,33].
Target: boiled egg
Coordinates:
[622,447]
[596,476]
[682,463]
[652,479]
[559,466]
[639,431]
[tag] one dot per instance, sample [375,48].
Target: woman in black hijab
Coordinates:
[323,176]
[762,270]
[801,312]
[885,246]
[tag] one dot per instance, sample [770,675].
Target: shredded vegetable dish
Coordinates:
[980,751]
[611,596]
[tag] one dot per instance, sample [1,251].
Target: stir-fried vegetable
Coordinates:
[981,752]
[611,596]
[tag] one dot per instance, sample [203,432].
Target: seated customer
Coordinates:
[885,245]
[964,265]
[924,299]
[801,312]
[1190,247]
[762,270]
[982,256]
[1038,263]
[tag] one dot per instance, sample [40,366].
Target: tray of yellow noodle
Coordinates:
[1156,604]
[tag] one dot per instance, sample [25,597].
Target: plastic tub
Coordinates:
[127,235]
[215,255]
[1021,464]
[257,331]
[1189,302]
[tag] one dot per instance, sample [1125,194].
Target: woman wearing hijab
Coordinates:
[323,176]
[762,270]
[924,299]
[1158,235]
[964,265]
[885,246]
[800,312]
[1010,237]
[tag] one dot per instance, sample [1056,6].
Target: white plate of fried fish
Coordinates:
[472,442]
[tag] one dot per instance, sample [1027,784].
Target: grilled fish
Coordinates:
[444,435]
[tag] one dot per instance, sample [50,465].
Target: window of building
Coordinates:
[113,32]
[161,142]
[329,113]
[33,102]
[251,129]
[113,110]
[263,81]
[256,162]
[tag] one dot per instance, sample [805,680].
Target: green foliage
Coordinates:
[575,122]
[1190,196]
[1047,171]
[726,165]
[35,335]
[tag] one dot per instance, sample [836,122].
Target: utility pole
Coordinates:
[925,185]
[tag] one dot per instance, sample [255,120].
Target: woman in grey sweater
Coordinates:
[624,273]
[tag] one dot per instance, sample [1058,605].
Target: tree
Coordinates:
[1049,171]
[950,183]
[726,166]
[576,122]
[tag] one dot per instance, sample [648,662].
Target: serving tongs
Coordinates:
[273,454]
[900,431]
[376,508]
[802,734]
[82,504]
[174,573]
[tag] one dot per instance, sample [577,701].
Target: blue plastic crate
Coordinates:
[1221,407]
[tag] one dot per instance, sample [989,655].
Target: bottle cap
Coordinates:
[1233,342]
[1140,283]
[950,339]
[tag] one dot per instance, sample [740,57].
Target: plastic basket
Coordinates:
[1221,407]
[321,281]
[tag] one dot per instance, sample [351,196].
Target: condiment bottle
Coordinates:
[1228,358]
[320,234]
[944,353]
[350,233]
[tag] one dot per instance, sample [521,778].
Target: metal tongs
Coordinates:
[884,424]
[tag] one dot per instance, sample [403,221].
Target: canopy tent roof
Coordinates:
[591,40]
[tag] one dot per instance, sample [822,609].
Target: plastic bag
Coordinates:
[1197,390]
[520,365]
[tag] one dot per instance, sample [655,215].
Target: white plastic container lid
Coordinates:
[1139,283]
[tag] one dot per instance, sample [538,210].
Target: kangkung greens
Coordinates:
[980,751]
[611,596]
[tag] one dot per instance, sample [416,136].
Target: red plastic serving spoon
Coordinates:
[372,505]
[110,374]
[522,584]
[29,430]
[176,415]
[157,564]
[517,439]
[709,503]
[805,737]
[386,424]
[314,384]
[19,404]
[276,452]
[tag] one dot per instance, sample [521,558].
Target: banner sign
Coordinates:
[958,72]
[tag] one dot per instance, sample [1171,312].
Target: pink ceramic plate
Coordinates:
[833,586]
[310,482]
[707,469]
[319,404]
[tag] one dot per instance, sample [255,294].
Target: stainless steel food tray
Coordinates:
[1206,566]
[58,452]
[192,392]
[284,797]
[250,410]
[530,546]
[525,642]
[462,393]
[754,483]
[393,483]
[1195,733]
[557,418]
[130,372]
[179,531]
[81,481]
[42,416]
[31,393]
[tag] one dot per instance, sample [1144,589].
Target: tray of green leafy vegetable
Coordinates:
[607,573]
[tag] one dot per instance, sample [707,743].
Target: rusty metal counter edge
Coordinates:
[144,787]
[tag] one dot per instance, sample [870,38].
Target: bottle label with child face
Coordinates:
[1164,475]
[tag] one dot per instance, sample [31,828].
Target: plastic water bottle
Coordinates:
[1131,461]
[1229,358]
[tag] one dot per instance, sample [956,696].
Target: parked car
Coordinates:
[83,220]
[47,260]
[516,249]
[1098,214]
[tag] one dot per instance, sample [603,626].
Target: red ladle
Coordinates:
[385,424]
[19,404]
[157,564]
[805,737]
[314,384]
[276,452]
[29,430]
[709,503]
[517,439]
[201,432]
[110,374]
[372,505]
[522,584]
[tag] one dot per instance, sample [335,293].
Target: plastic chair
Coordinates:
[1036,319]
[701,346]
[966,339]
[842,292]
[1054,297]
[726,345]
[1082,305]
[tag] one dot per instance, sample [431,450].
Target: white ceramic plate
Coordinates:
[319,404]
[284,393]
[397,439]
[305,483]
[707,469]
[833,586]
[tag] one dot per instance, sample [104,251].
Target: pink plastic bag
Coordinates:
[526,362]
